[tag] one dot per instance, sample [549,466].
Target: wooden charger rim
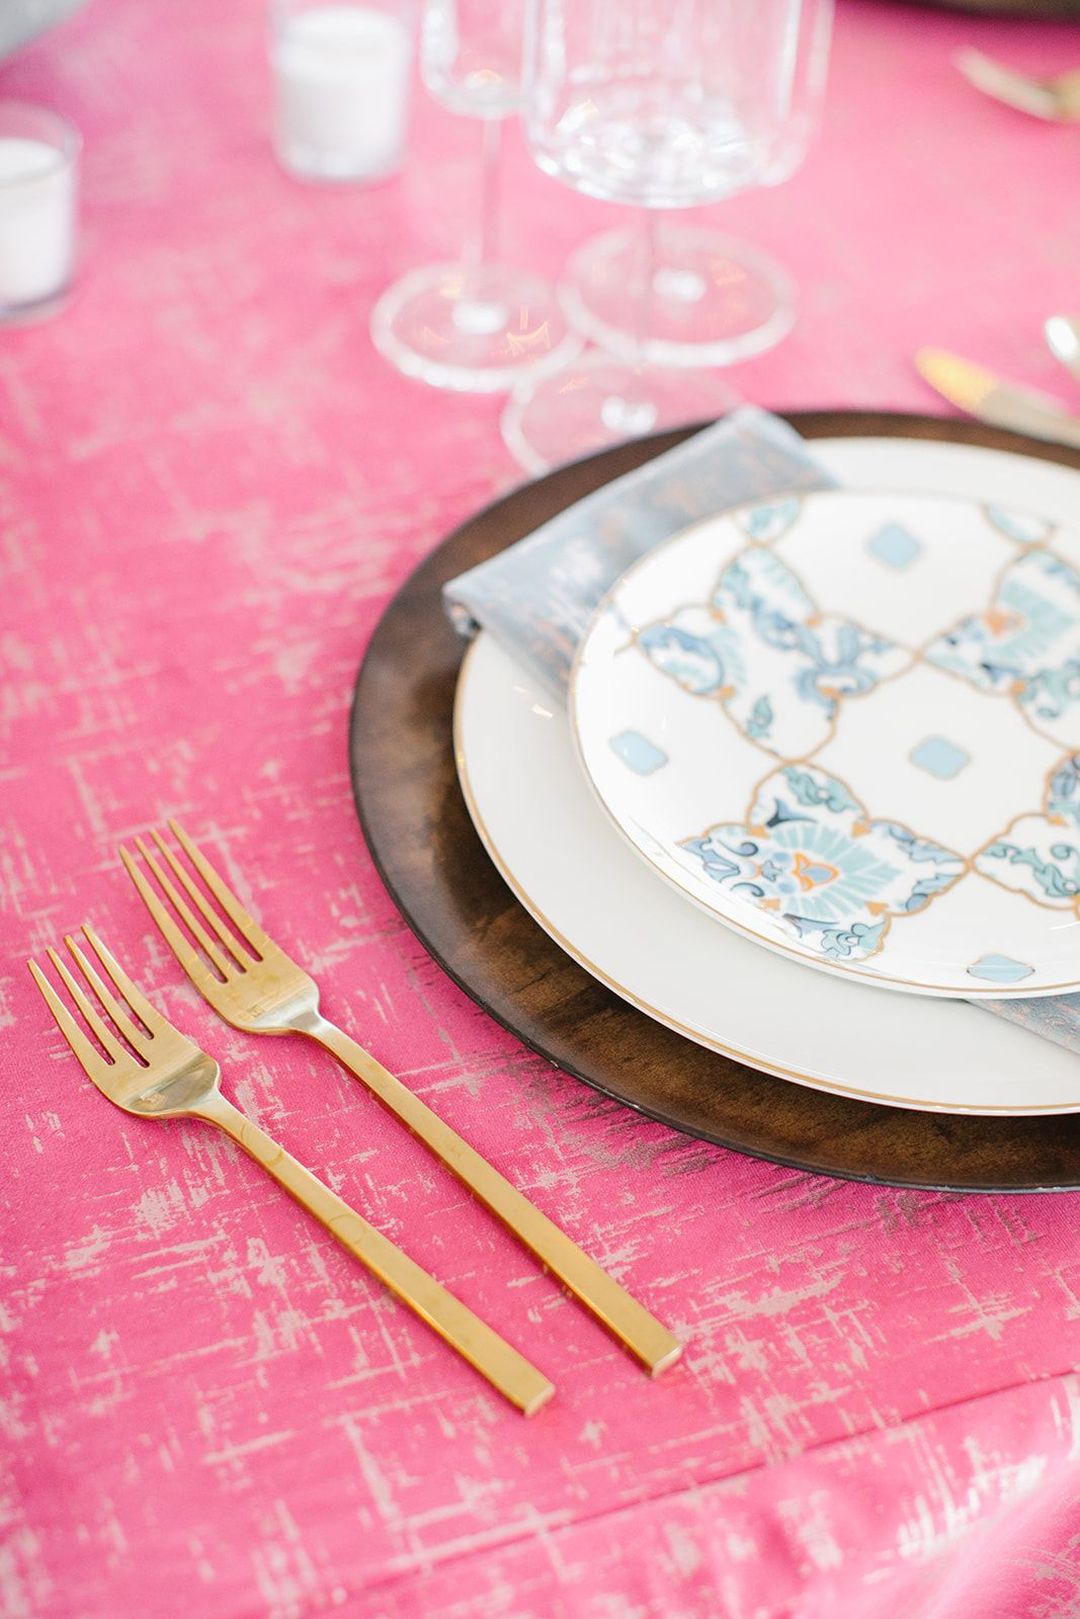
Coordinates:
[437,872]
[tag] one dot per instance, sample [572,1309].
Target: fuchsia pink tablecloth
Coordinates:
[209,485]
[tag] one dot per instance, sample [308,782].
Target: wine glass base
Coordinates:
[598,401]
[714,300]
[476,330]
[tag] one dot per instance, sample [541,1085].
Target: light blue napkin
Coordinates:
[538,596]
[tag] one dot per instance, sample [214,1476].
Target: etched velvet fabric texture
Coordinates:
[210,485]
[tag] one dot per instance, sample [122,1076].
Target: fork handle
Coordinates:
[493,1357]
[642,1334]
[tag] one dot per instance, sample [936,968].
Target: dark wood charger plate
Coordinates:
[1013,8]
[438,874]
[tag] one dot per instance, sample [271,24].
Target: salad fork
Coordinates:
[147,1067]
[255,986]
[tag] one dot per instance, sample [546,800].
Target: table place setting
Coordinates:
[642,652]
[483,467]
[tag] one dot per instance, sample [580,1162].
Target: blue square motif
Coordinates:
[1000,969]
[894,546]
[939,757]
[637,752]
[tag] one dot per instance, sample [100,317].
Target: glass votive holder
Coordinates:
[39,169]
[342,75]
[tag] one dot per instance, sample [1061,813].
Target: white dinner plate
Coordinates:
[555,847]
[848,725]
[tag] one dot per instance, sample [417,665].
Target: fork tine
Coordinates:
[189,959]
[134,1037]
[147,1013]
[252,932]
[88,1055]
[97,1024]
[229,940]
[183,909]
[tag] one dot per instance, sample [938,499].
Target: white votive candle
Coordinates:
[342,76]
[38,167]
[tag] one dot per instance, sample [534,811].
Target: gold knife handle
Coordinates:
[642,1334]
[493,1357]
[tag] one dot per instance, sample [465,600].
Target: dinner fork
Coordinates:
[255,986]
[147,1067]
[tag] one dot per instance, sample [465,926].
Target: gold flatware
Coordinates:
[977,391]
[149,1068]
[1063,340]
[255,986]
[1057,99]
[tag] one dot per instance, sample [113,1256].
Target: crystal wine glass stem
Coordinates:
[632,412]
[645,278]
[483,249]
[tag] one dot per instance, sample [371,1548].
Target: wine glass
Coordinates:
[478,325]
[715,300]
[664,104]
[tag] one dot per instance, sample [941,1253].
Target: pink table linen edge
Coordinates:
[209,487]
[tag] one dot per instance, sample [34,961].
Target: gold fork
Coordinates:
[255,986]
[160,1074]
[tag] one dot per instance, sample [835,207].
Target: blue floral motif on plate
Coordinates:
[1026,644]
[1039,855]
[761,647]
[809,853]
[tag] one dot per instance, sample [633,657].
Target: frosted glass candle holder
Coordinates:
[39,165]
[342,78]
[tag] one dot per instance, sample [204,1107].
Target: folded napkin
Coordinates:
[538,596]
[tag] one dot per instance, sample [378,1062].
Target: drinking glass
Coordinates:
[716,300]
[476,325]
[663,104]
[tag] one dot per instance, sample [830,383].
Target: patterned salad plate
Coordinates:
[848,725]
